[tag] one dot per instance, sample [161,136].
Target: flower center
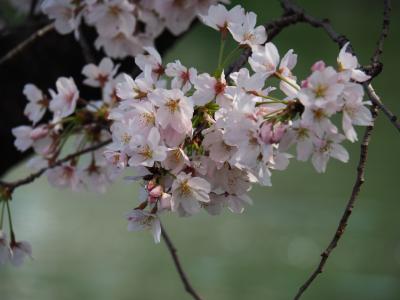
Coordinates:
[126,138]
[185,188]
[173,105]
[320,91]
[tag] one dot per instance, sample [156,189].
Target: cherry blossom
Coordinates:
[192,140]
[20,250]
[101,74]
[142,220]
[247,32]
[5,251]
[147,151]
[187,192]
[63,102]
[37,105]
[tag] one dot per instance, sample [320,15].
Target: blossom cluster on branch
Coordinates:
[197,141]
[124,27]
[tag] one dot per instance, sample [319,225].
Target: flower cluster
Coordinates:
[70,116]
[124,27]
[201,141]
[198,141]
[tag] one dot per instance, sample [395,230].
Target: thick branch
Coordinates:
[184,278]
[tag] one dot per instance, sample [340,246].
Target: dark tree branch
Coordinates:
[184,278]
[26,43]
[290,8]
[32,8]
[11,186]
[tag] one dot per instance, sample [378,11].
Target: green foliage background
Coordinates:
[83,251]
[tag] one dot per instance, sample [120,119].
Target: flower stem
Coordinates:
[285,79]
[230,55]
[273,99]
[221,52]
[12,235]
[2,214]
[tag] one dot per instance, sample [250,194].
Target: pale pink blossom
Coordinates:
[5,251]
[37,105]
[188,191]
[176,160]
[20,250]
[174,109]
[112,17]
[98,76]
[142,220]
[63,13]
[326,147]
[354,110]
[349,63]
[209,88]
[220,18]
[248,33]
[65,176]
[63,102]
[147,150]
[183,77]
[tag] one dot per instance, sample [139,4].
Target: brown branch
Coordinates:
[349,207]
[374,69]
[11,186]
[290,8]
[384,33]
[184,278]
[26,43]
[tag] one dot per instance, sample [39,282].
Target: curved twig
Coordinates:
[186,283]
[349,207]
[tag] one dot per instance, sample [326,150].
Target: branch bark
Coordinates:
[174,254]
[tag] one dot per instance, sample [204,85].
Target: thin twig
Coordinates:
[32,8]
[86,50]
[349,207]
[11,186]
[26,43]
[384,33]
[184,278]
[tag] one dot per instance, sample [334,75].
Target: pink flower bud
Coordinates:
[318,66]
[38,133]
[165,201]
[150,185]
[156,192]
[272,133]
[304,84]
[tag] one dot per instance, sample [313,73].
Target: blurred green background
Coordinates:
[82,250]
